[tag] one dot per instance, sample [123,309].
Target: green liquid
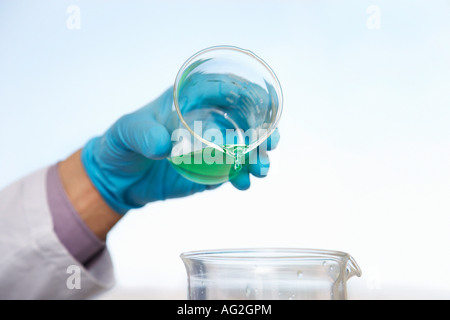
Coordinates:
[209,165]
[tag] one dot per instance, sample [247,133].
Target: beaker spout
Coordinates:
[352,268]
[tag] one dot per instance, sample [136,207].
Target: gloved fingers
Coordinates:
[242,180]
[272,141]
[259,163]
[142,134]
[157,144]
[213,186]
[258,159]
[226,90]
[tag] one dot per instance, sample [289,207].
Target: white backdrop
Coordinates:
[363,161]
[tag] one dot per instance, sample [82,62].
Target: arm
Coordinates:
[123,169]
[35,263]
[85,198]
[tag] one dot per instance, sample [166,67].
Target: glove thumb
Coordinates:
[157,143]
[145,136]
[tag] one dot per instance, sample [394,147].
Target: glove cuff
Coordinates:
[99,178]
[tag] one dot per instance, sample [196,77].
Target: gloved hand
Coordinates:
[128,164]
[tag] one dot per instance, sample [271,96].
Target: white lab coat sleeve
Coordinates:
[34,264]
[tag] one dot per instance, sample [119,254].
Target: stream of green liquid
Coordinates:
[209,165]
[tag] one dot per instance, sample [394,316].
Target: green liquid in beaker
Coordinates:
[209,165]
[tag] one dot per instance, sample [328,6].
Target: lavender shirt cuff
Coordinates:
[73,233]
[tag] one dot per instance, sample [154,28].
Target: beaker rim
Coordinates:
[279,91]
[256,254]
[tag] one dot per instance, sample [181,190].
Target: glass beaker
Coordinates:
[267,273]
[228,102]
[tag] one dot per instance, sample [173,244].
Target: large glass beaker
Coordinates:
[267,273]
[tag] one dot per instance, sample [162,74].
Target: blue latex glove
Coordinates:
[128,164]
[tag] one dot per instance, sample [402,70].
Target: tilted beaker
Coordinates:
[228,102]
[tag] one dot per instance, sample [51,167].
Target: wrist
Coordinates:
[103,178]
[85,198]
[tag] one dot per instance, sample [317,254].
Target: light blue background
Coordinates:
[363,165]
